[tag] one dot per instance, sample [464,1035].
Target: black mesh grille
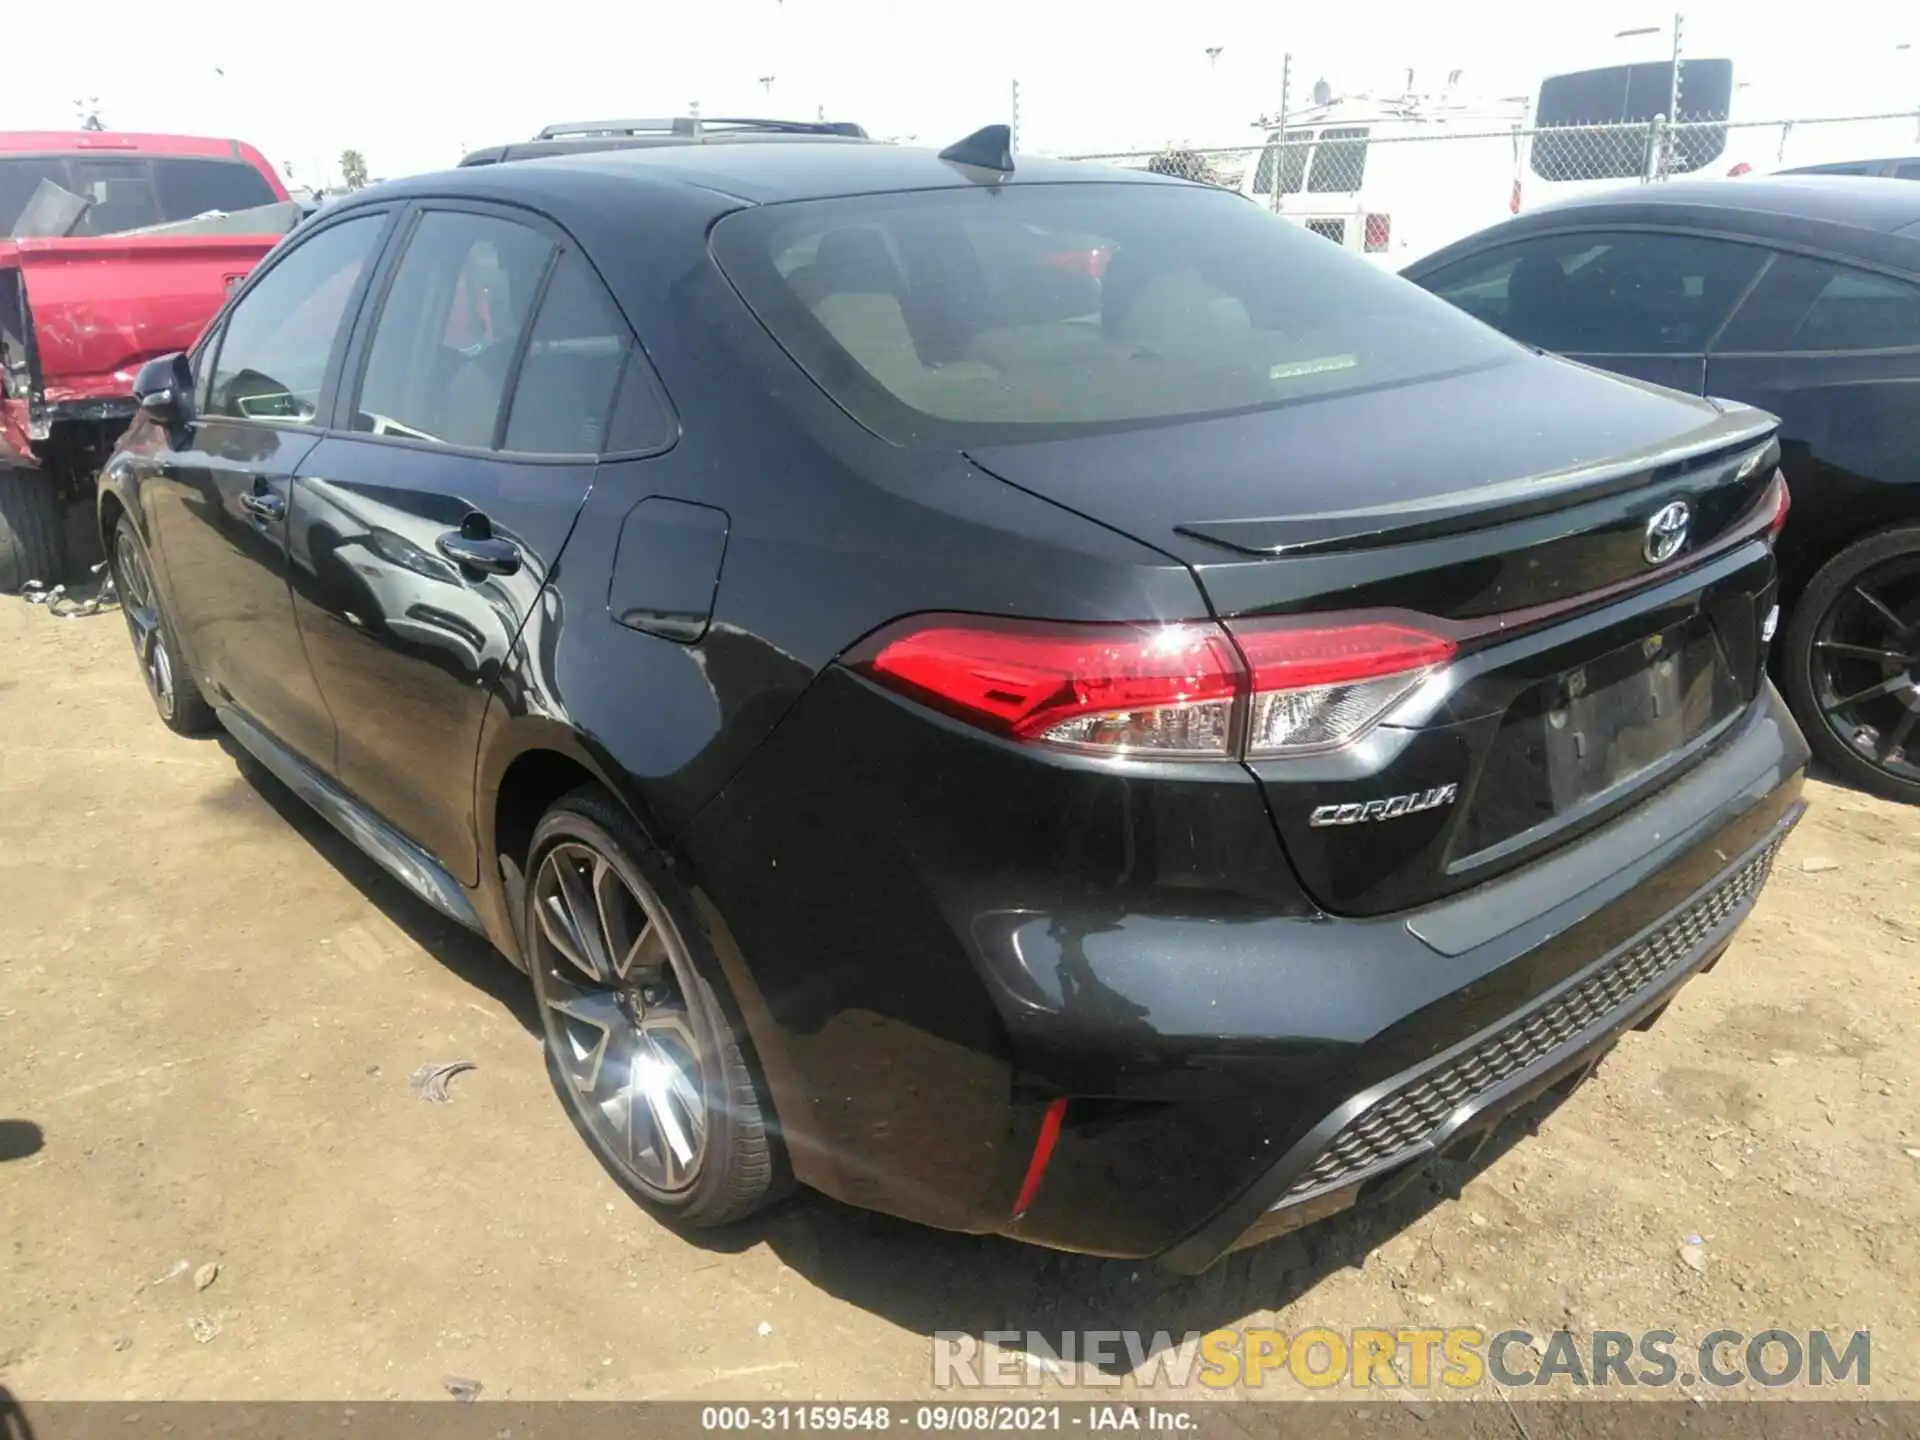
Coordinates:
[1398,1123]
[1334,230]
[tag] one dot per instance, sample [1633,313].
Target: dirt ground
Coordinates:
[210,1006]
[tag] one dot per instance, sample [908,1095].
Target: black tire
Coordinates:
[31,544]
[1806,657]
[176,698]
[675,981]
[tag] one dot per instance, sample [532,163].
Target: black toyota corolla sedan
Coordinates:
[1039,699]
[1801,295]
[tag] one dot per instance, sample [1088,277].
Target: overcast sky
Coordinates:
[412,85]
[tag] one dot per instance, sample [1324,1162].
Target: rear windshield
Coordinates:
[1031,311]
[1630,96]
[125,192]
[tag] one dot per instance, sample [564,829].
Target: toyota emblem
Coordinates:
[1667,532]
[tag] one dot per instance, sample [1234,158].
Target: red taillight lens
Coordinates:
[1178,691]
[1513,201]
[1317,687]
[1379,233]
[1164,689]
[1742,168]
[1091,262]
[1782,502]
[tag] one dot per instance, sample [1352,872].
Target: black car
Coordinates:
[1045,701]
[1801,296]
[1904,167]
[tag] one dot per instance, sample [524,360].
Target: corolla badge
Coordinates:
[1667,532]
[1391,808]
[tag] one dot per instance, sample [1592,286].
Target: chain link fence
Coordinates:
[1434,173]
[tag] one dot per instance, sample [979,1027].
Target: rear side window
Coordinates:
[1339,160]
[1629,96]
[578,348]
[276,343]
[967,316]
[1907,170]
[449,329]
[1638,293]
[1809,305]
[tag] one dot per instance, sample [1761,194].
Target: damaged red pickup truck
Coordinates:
[114,248]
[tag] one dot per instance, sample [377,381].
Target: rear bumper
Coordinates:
[1395,1125]
[1358,1049]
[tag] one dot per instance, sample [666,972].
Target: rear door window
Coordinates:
[1805,304]
[450,328]
[1638,293]
[579,345]
[1284,160]
[1339,160]
[1907,170]
[1034,310]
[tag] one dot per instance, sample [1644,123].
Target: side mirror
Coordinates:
[164,389]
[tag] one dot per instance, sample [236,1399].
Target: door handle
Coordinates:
[264,505]
[476,547]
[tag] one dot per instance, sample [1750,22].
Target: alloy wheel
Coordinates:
[1865,667]
[612,976]
[142,609]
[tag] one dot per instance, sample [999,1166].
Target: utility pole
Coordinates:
[766,84]
[1673,104]
[1013,128]
[1673,97]
[1213,55]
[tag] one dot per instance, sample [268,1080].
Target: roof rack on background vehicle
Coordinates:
[693,126]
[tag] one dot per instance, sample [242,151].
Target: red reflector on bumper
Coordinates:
[1042,1153]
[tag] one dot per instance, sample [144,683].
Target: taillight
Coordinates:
[1782,502]
[1741,169]
[1513,201]
[1177,691]
[1316,687]
[1167,689]
[1091,262]
[1379,233]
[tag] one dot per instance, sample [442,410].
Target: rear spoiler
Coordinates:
[1737,428]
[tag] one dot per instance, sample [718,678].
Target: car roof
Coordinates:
[547,147]
[1860,202]
[64,142]
[798,169]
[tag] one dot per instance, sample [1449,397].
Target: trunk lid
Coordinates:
[1516,511]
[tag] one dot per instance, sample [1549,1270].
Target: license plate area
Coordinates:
[1591,731]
